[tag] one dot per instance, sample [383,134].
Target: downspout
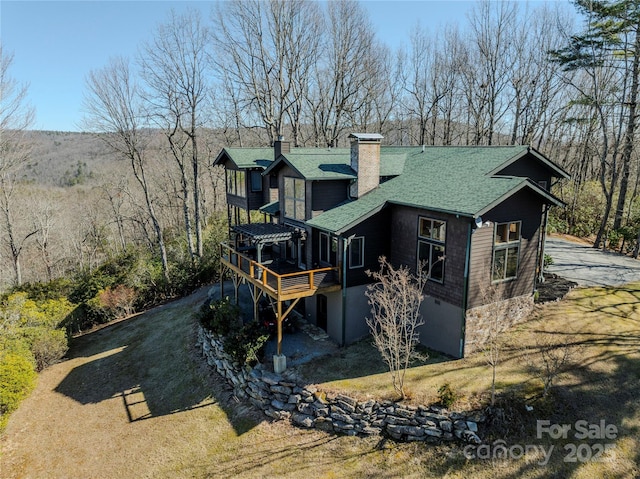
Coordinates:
[541,246]
[345,244]
[344,291]
[465,291]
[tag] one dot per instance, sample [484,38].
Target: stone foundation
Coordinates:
[478,320]
[284,397]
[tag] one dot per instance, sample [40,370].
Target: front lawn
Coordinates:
[133,400]
[600,326]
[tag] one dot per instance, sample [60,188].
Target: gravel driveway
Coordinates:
[590,267]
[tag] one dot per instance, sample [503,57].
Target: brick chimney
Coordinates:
[365,161]
[280,146]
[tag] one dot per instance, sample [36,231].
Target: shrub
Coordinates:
[220,316]
[446,395]
[48,346]
[114,271]
[118,301]
[55,289]
[548,260]
[17,380]
[246,345]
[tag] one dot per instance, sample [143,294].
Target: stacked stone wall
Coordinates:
[284,397]
[480,323]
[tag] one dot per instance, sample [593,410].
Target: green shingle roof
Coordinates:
[314,163]
[449,179]
[452,179]
[320,164]
[272,208]
[247,157]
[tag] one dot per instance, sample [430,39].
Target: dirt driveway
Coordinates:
[590,267]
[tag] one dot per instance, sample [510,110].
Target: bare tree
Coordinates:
[422,83]
[267,48]
[341,73]
[44,216]
[395,300]
[16,117]
[606,62]
[495,323]
[487,74]
[551,358]
[115,113]
[174,66]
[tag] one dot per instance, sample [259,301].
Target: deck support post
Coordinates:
[236,286]
[279,320]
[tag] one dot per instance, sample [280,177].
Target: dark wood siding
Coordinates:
[529,167]
[377,242]
[404,249]
[255,199]
[526,207]
[327,195]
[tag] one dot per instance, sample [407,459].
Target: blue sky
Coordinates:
[56,43]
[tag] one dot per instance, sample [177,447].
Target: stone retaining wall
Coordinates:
[281,396]
[479,321]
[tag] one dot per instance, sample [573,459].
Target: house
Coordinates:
[475,215]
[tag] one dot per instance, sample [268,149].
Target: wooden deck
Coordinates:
[280,285]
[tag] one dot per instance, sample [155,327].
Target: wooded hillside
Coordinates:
[69,159]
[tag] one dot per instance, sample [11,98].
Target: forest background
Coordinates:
[100,224]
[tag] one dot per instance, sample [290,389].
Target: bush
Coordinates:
[113,272]
[118,300]
[246,345]
[548,260]
[55,289]
[17,380]
[446,395]
[48,346]
[220,316]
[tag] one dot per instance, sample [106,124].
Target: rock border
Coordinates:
[283,397]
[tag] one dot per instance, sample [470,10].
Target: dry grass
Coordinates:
[601,325]
[132,401]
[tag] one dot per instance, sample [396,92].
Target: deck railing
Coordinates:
[280,285]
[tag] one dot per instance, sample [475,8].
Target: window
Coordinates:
[506,251]
[356,252]
[324,248]
[235,183]
[431,242]
[256,181]
[294,196]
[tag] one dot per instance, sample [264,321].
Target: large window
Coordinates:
[506,251]
[294,198]
[356,252]
[431,242]
[235,183]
